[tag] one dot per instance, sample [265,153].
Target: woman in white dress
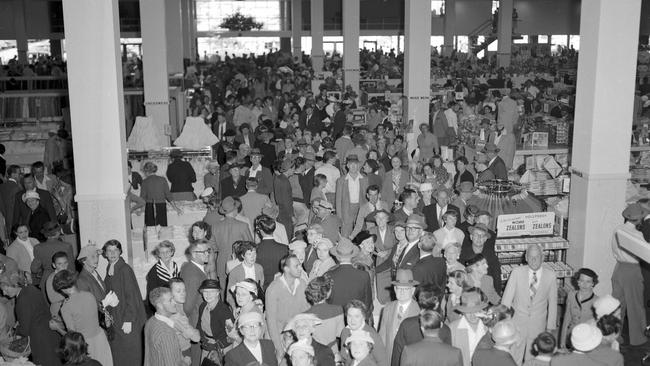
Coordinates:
[22,250]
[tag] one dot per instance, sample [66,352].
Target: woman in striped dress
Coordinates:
[164,269]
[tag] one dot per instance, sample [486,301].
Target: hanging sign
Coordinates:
[525,224]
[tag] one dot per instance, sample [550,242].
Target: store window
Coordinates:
[210,13]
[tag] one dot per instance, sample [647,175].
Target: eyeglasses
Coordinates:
[201,251]
[413,228]
[249,326]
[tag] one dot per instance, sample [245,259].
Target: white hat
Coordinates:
[31,194]
[297,245]
[308,317]
[248,286]
[586,337]
[207,192]
[426,187]
[251,317]
[301,345]
[606,304]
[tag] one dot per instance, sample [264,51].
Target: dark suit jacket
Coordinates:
[498,167]
[269,155]
[307,184]
[339,123]
[431,270]
[431,215]
[350,283]
[283,154]
[218,317]
[192,276]
[310,258]
[431,352]
[228,187]
[315,122]
[21,211]
[494,266]
[409,333]
[407,261]
[264,181]
[8,191]
[241,356]
[492,357]
[284,199]
[87,282]
[323,354]
[269,254]
[181,175]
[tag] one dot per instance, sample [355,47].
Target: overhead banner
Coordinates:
[525,224]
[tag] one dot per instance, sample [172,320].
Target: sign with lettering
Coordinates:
[532,224]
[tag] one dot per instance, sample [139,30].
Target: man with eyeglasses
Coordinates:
[411,254]
[193,273]
[252,350]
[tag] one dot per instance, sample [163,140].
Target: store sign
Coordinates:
[526,224]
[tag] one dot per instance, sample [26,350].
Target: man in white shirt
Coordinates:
[350,194]
[161,343]
[331,172]
[374,204]
[627,280]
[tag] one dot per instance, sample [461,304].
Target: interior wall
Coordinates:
[37,20]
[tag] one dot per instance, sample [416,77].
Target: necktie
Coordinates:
[400,313]
[533,286]
[398,254]
[401,255]
[98,279]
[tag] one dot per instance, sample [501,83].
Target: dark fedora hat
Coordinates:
[210,285]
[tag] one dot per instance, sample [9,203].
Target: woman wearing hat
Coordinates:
[155,192]
[216,322]
[301,353]
[38,216]
[477,277]
[586,339]
[325,261]
[361,344]
[248,269]
[233,185]
[251,326]
[356,318]
[303,326]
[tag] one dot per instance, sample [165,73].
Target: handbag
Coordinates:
[215,354]
[106,323]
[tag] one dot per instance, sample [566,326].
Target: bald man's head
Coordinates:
[534,257]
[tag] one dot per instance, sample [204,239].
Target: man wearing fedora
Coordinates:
[261,173]
[495,164]
[283,195]
[431,350]
[532,292]
[225,233]
[330,223]
[504,335]
[22,212]
[627,278]
[405,257]
[467,331]
[348,282]
[42,263]
[396,311]
[350,195]
[586,339]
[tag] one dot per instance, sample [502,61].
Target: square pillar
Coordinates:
[351,30]
[417,62]
[20,29]
[604,106]
[186,25]
[156,77]
[504,32]
[296,29]
[449,27]
[92,37]
[174,37]
[317,33]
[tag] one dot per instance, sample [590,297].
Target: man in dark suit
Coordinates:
[431,351]
[348,282]
[283,196]
[227,143]
[410,254]
[410,199]
[269,252]
[409,332]
[267,150]
[289,150]
[429,269]
[22,211]
[433,212]
[261,173]
[313,120]
[8,191]
[495,164]
[249,325]
[193,274]
[340,120]
[306,178]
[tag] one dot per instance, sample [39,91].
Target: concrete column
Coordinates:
[417,61]
[285,19]
[186,25]
[156,76]
[92,36]
[504,32]
[296,28]
[449,27]
[317,33]
[174,37]
[351,20]
[20,28]
[55,48]
[609,34]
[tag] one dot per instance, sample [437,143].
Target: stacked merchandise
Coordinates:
[562,270]
[548,187]
[560,132]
